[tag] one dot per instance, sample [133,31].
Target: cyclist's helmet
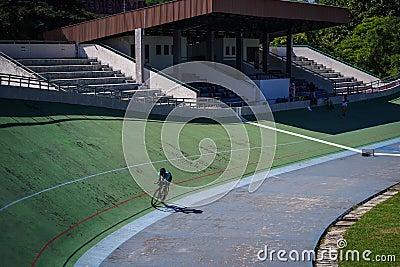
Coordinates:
[162,171]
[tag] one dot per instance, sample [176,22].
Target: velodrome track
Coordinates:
[57,242]
[290,211]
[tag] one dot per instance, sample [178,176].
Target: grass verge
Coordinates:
[378,231]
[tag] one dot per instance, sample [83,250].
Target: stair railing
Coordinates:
[16,62]
[150,68]
[27,81]
[308,70]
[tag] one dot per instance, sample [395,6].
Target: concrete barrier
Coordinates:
[11,92]
[27,50]
[106,56]
[290,105]
[9,67]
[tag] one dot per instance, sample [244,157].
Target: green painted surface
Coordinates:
[46,144]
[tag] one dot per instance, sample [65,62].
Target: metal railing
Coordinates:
[30,82]
[149,68]
[21,65]
[371,87]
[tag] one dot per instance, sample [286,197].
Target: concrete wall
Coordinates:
[338,66]
[122,44]
[39,50]
[248,69]
[197,50]
[231,42]
[11,92]
[163,61]
[108,57]
[289,105]
[169,87]
[274,88]
[9,67]
[278,50]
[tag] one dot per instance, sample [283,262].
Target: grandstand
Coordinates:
[63,100]
[116,61]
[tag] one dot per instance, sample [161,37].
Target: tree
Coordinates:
[374,45]
[362,45]
[25,19]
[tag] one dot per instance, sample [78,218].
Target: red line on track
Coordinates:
[184,181]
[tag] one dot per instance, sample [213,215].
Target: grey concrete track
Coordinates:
[288,212]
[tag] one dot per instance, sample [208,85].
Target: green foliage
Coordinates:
[29,19]
[300,38]
[155,2]
[370,40]
[374,44]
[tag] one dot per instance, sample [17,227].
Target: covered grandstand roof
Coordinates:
[251,17]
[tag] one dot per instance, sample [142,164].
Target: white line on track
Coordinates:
[387,154]
[304,137]
[308,138]
[130,167]
[100,251]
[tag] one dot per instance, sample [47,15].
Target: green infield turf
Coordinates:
[47,144]
[378,231]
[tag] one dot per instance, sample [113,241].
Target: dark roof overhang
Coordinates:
[198,16]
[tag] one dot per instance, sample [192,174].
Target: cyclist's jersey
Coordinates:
[168,176]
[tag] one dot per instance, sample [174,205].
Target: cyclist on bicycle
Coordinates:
[164,176]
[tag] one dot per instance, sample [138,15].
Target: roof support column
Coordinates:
[265,51]
[210,46]
[289,54]
[239,50]
[177,46]
[139,55]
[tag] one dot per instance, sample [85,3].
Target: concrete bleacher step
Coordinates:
[69,68]
[80,74]
[87,76]
[318,68]
[92,80]
[330,74]
[57,61]
[349,84]
[117,86]
[342,83]
[342,79]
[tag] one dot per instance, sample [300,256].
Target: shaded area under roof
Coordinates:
[251,17]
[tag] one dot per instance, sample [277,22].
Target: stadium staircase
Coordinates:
[341,82]
[87,76]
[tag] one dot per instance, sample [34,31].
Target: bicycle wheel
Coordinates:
[155,200]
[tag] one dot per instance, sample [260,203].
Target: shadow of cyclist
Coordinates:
[176,209]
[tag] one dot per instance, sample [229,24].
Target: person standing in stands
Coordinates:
[292,92]
[345,102]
